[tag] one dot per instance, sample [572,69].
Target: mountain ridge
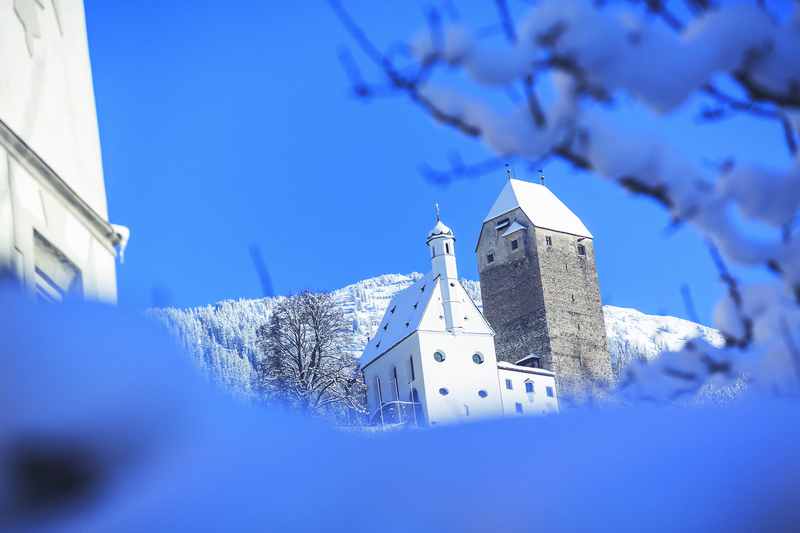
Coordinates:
[221,336]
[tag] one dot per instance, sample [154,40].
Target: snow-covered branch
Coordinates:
[574,59]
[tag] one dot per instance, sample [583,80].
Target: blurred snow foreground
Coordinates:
[106,427]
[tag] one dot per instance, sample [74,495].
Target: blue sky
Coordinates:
[227,125]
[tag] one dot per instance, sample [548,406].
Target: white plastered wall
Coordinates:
[47,103]
[536,403]
[460,375]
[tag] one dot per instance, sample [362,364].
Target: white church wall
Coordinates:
[460,375]
[398,357]
[536,402]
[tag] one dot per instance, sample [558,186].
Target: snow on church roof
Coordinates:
[439,229]
[420,307]
[402,317]
[540,205]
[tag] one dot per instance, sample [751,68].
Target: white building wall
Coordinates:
[537,402]
[462,377]
[398,357]
[46,91]
[51,178]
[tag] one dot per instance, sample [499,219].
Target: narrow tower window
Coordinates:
[518,408]
[548,240]
[509,385]
[490,258]
[411,363]
[581,249]
[514,244]
[447,248]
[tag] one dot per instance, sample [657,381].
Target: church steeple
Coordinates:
[442,244]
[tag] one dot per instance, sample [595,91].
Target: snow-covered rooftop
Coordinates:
[517,368]
[515,226]
[540,205]
[402,317]
[439,229]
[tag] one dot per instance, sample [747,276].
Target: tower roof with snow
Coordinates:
[440,229]
[540,205]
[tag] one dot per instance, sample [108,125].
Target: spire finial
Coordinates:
[541,176]
[509,173]
[436,207]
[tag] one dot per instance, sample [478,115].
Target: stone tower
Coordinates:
[540,290]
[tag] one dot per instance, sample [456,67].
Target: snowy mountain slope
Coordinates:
[222,337]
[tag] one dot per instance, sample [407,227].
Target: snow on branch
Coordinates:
[587,57]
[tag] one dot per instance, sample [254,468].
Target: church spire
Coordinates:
[442,244]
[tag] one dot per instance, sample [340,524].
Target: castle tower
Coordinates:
[539,287]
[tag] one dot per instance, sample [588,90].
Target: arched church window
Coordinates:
[439,356]
[477,358]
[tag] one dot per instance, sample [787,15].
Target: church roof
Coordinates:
[402,317]
[420,308]
[540,205]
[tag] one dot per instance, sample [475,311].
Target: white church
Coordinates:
[432,360]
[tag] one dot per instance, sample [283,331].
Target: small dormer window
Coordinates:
[581,249]
[515,244]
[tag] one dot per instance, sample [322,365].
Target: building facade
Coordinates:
[540,290]
[54,230]
[432,359]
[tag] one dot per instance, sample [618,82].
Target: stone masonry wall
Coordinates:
[574,312]
[545,299]
[511,290]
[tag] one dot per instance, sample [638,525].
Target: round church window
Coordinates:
[477,358]
[483,393]
[439,356]
[443,391]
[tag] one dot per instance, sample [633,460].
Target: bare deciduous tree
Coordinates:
[304,364]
